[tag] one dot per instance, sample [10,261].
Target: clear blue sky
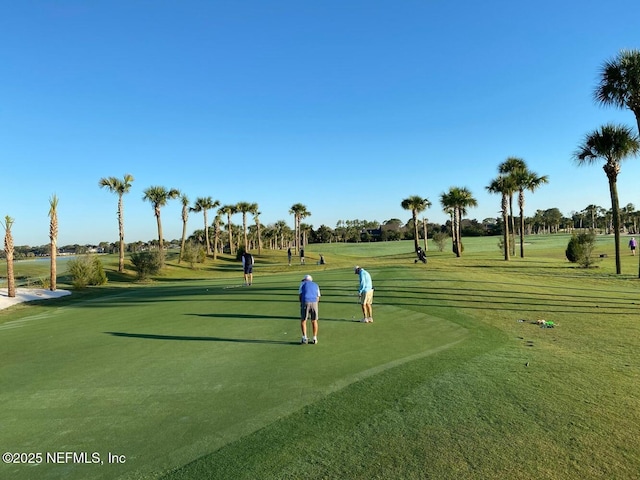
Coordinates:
[345,106]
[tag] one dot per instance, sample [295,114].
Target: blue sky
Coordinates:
[345,106]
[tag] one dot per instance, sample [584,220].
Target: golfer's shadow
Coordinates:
[150,336]
[261,317]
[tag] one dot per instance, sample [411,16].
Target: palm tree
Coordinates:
[299,211]
[8,252]
[53,236]
[203,204]
[120,187]
[620,83]
[256,219]
[503,185]
[613,143]
[185,217]
[416,204]
[457,200]
[216,233]
[158,197]
[244,208]
[523,179]
[509,167]
[229,210]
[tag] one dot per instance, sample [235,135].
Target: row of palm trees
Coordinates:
[514,176]
[158,196]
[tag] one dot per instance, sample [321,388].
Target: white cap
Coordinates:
[307,277]
[356,269]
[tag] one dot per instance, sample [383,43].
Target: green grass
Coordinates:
[190,378]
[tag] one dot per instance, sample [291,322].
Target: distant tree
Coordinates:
[256,219]
[185,218]
[415,204]
[158,197]
[244,208]
[504,186]
[299,211]
[613,143]
[203,204]
[8,252]
[457,200]
[525,179]
[119,187]
[229,210]
[53,236]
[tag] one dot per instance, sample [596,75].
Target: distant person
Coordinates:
[247,268]
[365,294]
[321,261]
[289,255]
[632,245]
[309,296]
[302,256]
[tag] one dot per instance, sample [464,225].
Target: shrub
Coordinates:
[580,249]
[86,270]
[194,253]
[146,263]
[440,239]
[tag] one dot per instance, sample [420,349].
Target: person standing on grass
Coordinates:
[302,256]
[309,296]
[365,294]
[289,255]
[632,245]
[247,268]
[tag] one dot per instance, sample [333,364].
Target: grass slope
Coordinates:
[194,376]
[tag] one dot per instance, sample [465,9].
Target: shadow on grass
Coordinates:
[260,317]
[149,336]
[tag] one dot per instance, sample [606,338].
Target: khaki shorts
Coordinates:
[366,298]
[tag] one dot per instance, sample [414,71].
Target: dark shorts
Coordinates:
[248,269]
[309,310]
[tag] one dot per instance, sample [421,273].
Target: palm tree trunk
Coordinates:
[505,218]
[424,231]
[8,249]
[521,205]
[121,236]
[616,221]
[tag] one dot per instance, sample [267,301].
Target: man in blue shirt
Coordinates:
[365,293]
[309,296]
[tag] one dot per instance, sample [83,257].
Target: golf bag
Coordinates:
[421,256]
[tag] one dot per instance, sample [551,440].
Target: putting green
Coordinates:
[161,375]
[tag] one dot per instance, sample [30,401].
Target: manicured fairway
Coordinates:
[165,374]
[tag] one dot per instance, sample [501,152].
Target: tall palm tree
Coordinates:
[229,210]
[185,217]
[119,187]
[509,167]
[299,211]
[620,83]
[416,204]
[457,200]
[256,219]
[503,185]
[522,179]
[158,197]
[203,204]
[613,143]
[8,252]
[216,233]
[53,236]
[244,208]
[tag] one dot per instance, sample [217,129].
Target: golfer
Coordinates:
[309,296]
[247,268]
[632,245]
[365,293]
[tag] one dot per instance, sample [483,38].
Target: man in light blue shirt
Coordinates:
[365,293]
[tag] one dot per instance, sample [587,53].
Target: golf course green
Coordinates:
[195,376]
